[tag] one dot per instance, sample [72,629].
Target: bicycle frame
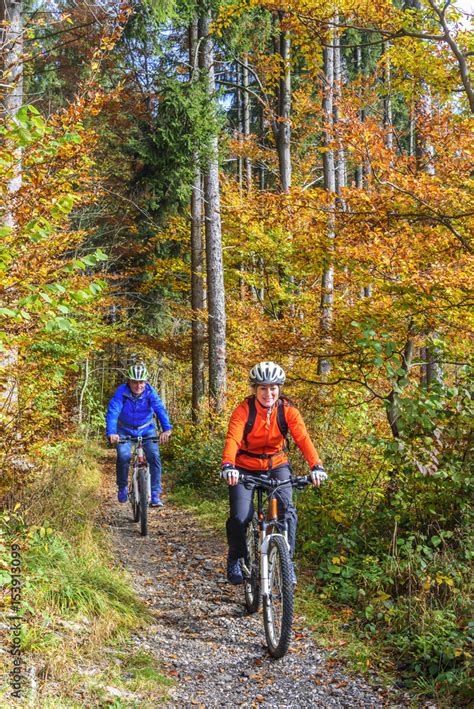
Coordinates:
[264,524]
[270,520]
[268,568]
[138,461]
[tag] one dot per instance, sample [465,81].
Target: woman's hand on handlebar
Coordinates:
[318,475]
[230,474]
[114,439]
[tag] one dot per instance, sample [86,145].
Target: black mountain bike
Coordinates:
[140,483]
[267,568]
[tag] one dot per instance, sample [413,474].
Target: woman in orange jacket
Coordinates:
[255,444]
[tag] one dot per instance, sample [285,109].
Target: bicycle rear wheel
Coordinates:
[278,605]
[252,580]
[143,488]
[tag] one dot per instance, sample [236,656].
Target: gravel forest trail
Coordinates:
[201,634]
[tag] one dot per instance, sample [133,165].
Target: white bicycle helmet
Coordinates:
[267,373]
[138,373]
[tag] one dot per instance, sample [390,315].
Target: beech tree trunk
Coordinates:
[11,96]
[198,298]
[432,370]
[359,170]
[281,125]
[387,99]
[246,118]
[214,260]
[11,89]
[329,171]
[338,80]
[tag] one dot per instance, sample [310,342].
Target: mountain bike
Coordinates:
[140,482]
[267,568]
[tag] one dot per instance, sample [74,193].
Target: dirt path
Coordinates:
[202,635]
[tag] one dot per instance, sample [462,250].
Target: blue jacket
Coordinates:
[131,416]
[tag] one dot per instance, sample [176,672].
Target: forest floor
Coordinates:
[200,634]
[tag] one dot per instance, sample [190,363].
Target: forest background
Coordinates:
[208,184]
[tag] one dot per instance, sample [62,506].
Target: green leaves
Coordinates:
[90,260]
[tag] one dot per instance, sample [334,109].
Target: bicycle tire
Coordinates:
[278,606]
[134,502]
[143,490]
[252,583]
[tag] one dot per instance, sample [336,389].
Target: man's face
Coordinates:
[136,388]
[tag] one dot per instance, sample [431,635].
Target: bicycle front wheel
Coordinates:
[252,579]
[278,605]
[133,499]
[143,488]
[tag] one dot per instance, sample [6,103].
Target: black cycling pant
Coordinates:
[242,509]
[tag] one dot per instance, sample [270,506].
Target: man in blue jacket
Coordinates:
[131,412]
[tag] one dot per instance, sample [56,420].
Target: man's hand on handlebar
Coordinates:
[165,436]
[318,475]
[114,439]
[230,474]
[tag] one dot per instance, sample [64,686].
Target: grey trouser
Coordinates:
[242,509]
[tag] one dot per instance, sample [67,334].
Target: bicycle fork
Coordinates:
[136,491]
[264,565]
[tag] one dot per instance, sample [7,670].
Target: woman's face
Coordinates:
[267,394]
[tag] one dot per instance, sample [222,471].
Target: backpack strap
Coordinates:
[281,420]
[282,423]
[250,419]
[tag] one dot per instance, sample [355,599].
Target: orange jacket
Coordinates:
[265,437]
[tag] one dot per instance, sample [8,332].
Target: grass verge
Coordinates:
[77,611]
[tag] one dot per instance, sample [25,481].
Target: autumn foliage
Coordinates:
[352,270]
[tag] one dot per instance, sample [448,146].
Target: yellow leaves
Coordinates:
[339,560]
[228,12]
[337,516]
[434,582]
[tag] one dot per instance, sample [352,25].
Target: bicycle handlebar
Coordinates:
[124,439]
[267,483]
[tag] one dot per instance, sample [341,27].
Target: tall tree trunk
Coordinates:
[198,300]
[240,97]
[261,171]
[11,77]
[387,99]
[329,171]
[281,124]
[393,397]
[359,170]
[240,125]
[11,93]
[282,130]
[214,260]
[338,79]
[424,154]
[246,118]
